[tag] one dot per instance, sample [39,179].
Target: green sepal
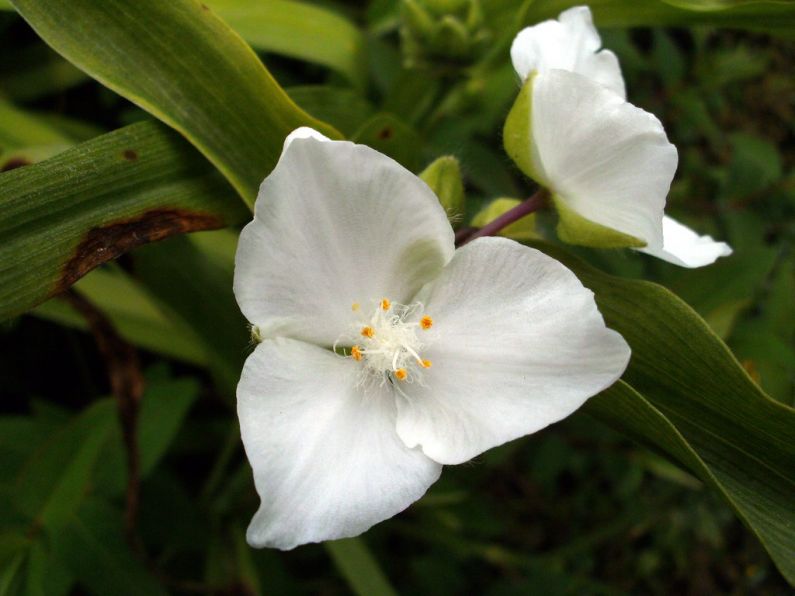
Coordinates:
[522,229]
[573,228]
[444,177]
[517,134]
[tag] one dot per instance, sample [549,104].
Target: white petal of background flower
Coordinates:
[570,43]
[303,132]
[607,160]
[327,461]
[682,246]
[519,345]
[336,224]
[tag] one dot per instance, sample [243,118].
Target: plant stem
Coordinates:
[531,205]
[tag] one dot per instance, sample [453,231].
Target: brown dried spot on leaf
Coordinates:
[109,241]
[13,163]
[130,154]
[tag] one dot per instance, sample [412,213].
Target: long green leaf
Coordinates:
[184,65]
[298,29]
[744,438]
[62,217]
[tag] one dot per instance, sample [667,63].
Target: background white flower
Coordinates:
[569,43]
[446,354]
[607,163]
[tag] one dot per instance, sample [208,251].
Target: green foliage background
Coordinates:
[577,508]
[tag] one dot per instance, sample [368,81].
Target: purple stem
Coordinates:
[531,205]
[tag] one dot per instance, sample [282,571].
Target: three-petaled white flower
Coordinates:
[385,352]
[607,164]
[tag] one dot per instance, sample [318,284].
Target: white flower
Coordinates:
[386,353]
[571,43]
[607,164]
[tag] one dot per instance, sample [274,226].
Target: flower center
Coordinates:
[390,341]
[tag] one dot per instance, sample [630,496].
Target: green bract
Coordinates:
[444,177]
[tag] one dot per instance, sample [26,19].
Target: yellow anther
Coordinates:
[368,332]
[426,363]
[385,304]
[426,322]
[355,306]
[356,353]
[401,374]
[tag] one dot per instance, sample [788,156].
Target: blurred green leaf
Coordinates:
[667,59]
[344,109]
[723,318]
[10,575]
[730,280]
[300,30]
[54,480]
[358,566]
[164,407]
[184,65]
[758,15]
[708,5]
[134,313]
[744,438]
[93,548]
[755,165]
[769,358]
[388,134]
[729,66]
[62,217]
[45,574]
[192,278]
[19,128]
[19,437]
[35,71]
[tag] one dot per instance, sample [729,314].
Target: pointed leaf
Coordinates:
[745,438]
[62,217]
[183,64]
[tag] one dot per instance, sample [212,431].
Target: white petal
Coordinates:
[304,132]
[570,43]
[336,223]
[682,246]
[327,461]
[608,161]
[519,345]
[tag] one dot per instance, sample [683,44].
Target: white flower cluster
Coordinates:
[607,163]
[385,353]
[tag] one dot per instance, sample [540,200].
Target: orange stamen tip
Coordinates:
[426,363]
[385,304]
[426,322]
[401,374]
[368,331]
[356,353]
[355,306]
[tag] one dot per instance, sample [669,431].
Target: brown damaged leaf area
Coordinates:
[109,241]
